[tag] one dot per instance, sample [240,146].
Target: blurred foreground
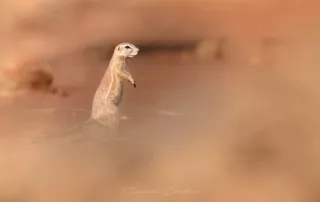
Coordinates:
[239,127]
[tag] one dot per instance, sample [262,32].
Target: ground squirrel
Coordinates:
[105,117]
[109,93]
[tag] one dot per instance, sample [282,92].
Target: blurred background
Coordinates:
[225,109]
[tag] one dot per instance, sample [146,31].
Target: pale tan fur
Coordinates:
[109,93]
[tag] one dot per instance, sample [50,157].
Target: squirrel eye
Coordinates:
[127,47]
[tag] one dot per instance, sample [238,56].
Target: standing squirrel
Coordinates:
[109,93]
[105,118]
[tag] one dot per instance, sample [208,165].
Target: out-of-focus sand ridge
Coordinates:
[247,128]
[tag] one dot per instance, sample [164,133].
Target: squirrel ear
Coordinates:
[118,48]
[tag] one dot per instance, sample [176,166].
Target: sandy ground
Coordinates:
[245,128]
[219,130]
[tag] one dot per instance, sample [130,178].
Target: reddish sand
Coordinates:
[242,129]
